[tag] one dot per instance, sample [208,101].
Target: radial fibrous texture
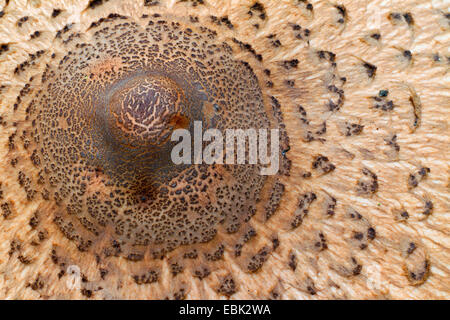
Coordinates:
[89,188]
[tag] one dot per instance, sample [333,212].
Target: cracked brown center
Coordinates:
[145,110]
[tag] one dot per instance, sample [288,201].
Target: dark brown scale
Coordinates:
[326,55]
[415,178]
[322,243]
[303,208]
[311,290]
[151,3]
[202,272]
[368,184]
[342,11]
[56,12]
[257,261]
[34,221]
[357,270]
[371,69]
[352,129]
[408,18]
[38,284]
[275,243]
[4,47]
[6,210]
[176,268]
[323,164]
[35,35]
[194,3]
[407,54]
[404,215]
[22,20]
[411,248]
[394,16]
[371,234]
[227,22]
[95,3]
[259,10]
[292,261]
[87,293]
[274,294]
[330,210]
[375,36]
[288,64]
[146,278]
[274,200]
[420,273]
[428,208]
[392,141]
[227,286]
[216,255]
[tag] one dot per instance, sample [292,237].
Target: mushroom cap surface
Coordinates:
[92,207]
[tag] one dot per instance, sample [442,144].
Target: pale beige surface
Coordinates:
[330,272]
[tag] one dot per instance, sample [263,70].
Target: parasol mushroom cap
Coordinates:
[92,206]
